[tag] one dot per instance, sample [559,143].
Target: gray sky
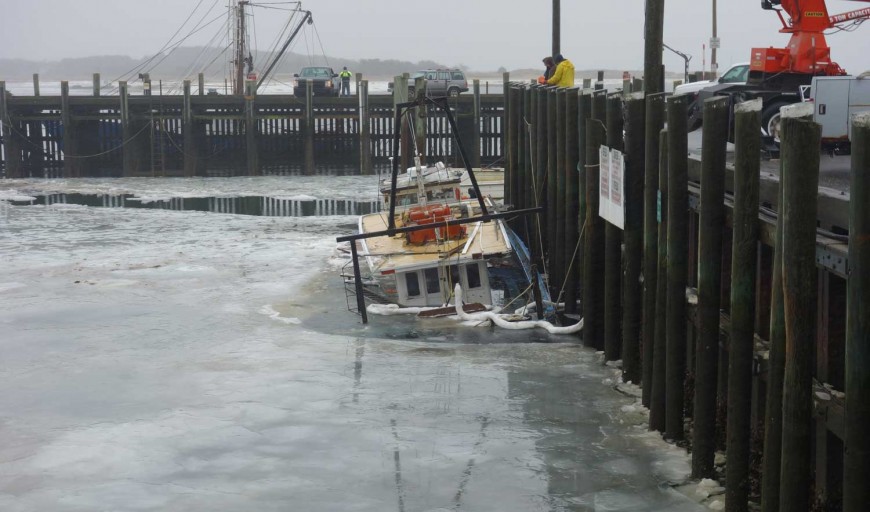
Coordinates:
[482,34]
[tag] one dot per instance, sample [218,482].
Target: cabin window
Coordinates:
[433,285]
[473,273]
[457,75]
[443,75]
[412,283]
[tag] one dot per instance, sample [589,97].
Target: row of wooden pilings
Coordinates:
[190,134]
[633,284]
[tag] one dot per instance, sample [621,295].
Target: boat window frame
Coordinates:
[477,277]
[416,284]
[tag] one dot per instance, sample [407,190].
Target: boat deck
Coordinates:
[487,238]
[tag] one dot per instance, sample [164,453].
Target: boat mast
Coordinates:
[239,43]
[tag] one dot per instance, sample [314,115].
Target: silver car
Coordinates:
[439,82]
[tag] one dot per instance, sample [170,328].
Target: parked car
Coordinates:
[439,82]
[324,80]
[736,74]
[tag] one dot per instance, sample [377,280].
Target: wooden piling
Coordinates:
[677,266]
[505,82]
[572,201]
[540,190]
[587,83]
[659,364]
[654,121]
[558,272]
[511,151]
[36,84]
[11,139]
[712,222]
[800,144]
[96,84]
[251,153]
[365,129]
[599,82]
[528,178]
[518,153]
[71,167]
[856,492]
[420,120]
[190,154]
[200,78]
[613,247]
[126,129]
[400,95]
[633,194]
[653,74]
[552,194]
[584,113]
[593,244]
[772,458]
[308,133]
[475,134]
[743,278]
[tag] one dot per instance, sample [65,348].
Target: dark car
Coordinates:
[439,82]
[324,80]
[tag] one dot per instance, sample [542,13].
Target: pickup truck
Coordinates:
[736,74]
[324,80]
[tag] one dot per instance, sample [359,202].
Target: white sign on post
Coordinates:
[612,195]
[604,173]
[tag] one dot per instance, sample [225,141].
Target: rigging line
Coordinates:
[180,42]
[321,43]
[254,30]
[263,4]
[165,56]
[573,259]
[535,191]
[273,49]
[65,155]
[209,47]
[307,48]
[189,16]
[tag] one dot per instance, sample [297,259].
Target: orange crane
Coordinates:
[777,75]
[807,51]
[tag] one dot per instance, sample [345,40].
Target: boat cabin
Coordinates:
[434,285]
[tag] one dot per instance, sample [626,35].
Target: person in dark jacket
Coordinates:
[548,72]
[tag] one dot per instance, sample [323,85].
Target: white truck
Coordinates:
[836,99]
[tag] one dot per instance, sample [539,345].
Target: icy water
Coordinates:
[155,360]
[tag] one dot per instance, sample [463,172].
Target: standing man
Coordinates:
[345,82]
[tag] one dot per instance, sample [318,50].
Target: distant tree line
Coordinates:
[187,62]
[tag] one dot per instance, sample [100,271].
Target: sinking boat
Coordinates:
[432,236]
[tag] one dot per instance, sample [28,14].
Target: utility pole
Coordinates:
[714,45]
[653,74]
[557,24]
[240,51]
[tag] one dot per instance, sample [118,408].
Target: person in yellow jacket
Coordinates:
[345,82]
[564,74]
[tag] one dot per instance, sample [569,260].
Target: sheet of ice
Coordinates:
[359,188]
[144,366]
